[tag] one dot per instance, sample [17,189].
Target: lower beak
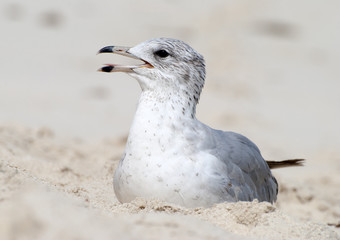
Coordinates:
[121,68]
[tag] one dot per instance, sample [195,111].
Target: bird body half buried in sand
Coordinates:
[169,154]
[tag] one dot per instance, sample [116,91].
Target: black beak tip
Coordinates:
[107,69]
[108,49]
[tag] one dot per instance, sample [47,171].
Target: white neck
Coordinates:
[159,120]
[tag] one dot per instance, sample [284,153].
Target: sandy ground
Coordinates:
[273,76]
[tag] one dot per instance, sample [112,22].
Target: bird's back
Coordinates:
[246,172]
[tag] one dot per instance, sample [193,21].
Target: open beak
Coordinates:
[121,68]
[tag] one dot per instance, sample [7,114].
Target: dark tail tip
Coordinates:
[286,163]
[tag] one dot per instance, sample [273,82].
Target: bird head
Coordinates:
[167,65]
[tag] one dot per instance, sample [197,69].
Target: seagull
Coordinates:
[170,155]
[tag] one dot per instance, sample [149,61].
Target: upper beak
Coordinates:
[121,68]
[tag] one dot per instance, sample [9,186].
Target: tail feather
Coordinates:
[285,163]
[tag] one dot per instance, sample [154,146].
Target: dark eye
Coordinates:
[162,53]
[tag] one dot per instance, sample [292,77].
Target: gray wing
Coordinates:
[247,173]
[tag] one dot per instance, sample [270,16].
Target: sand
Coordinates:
[53,189]
[272,75]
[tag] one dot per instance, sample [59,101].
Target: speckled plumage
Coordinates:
[172,156]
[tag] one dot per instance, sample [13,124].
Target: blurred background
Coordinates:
[272,68]
[272,75]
